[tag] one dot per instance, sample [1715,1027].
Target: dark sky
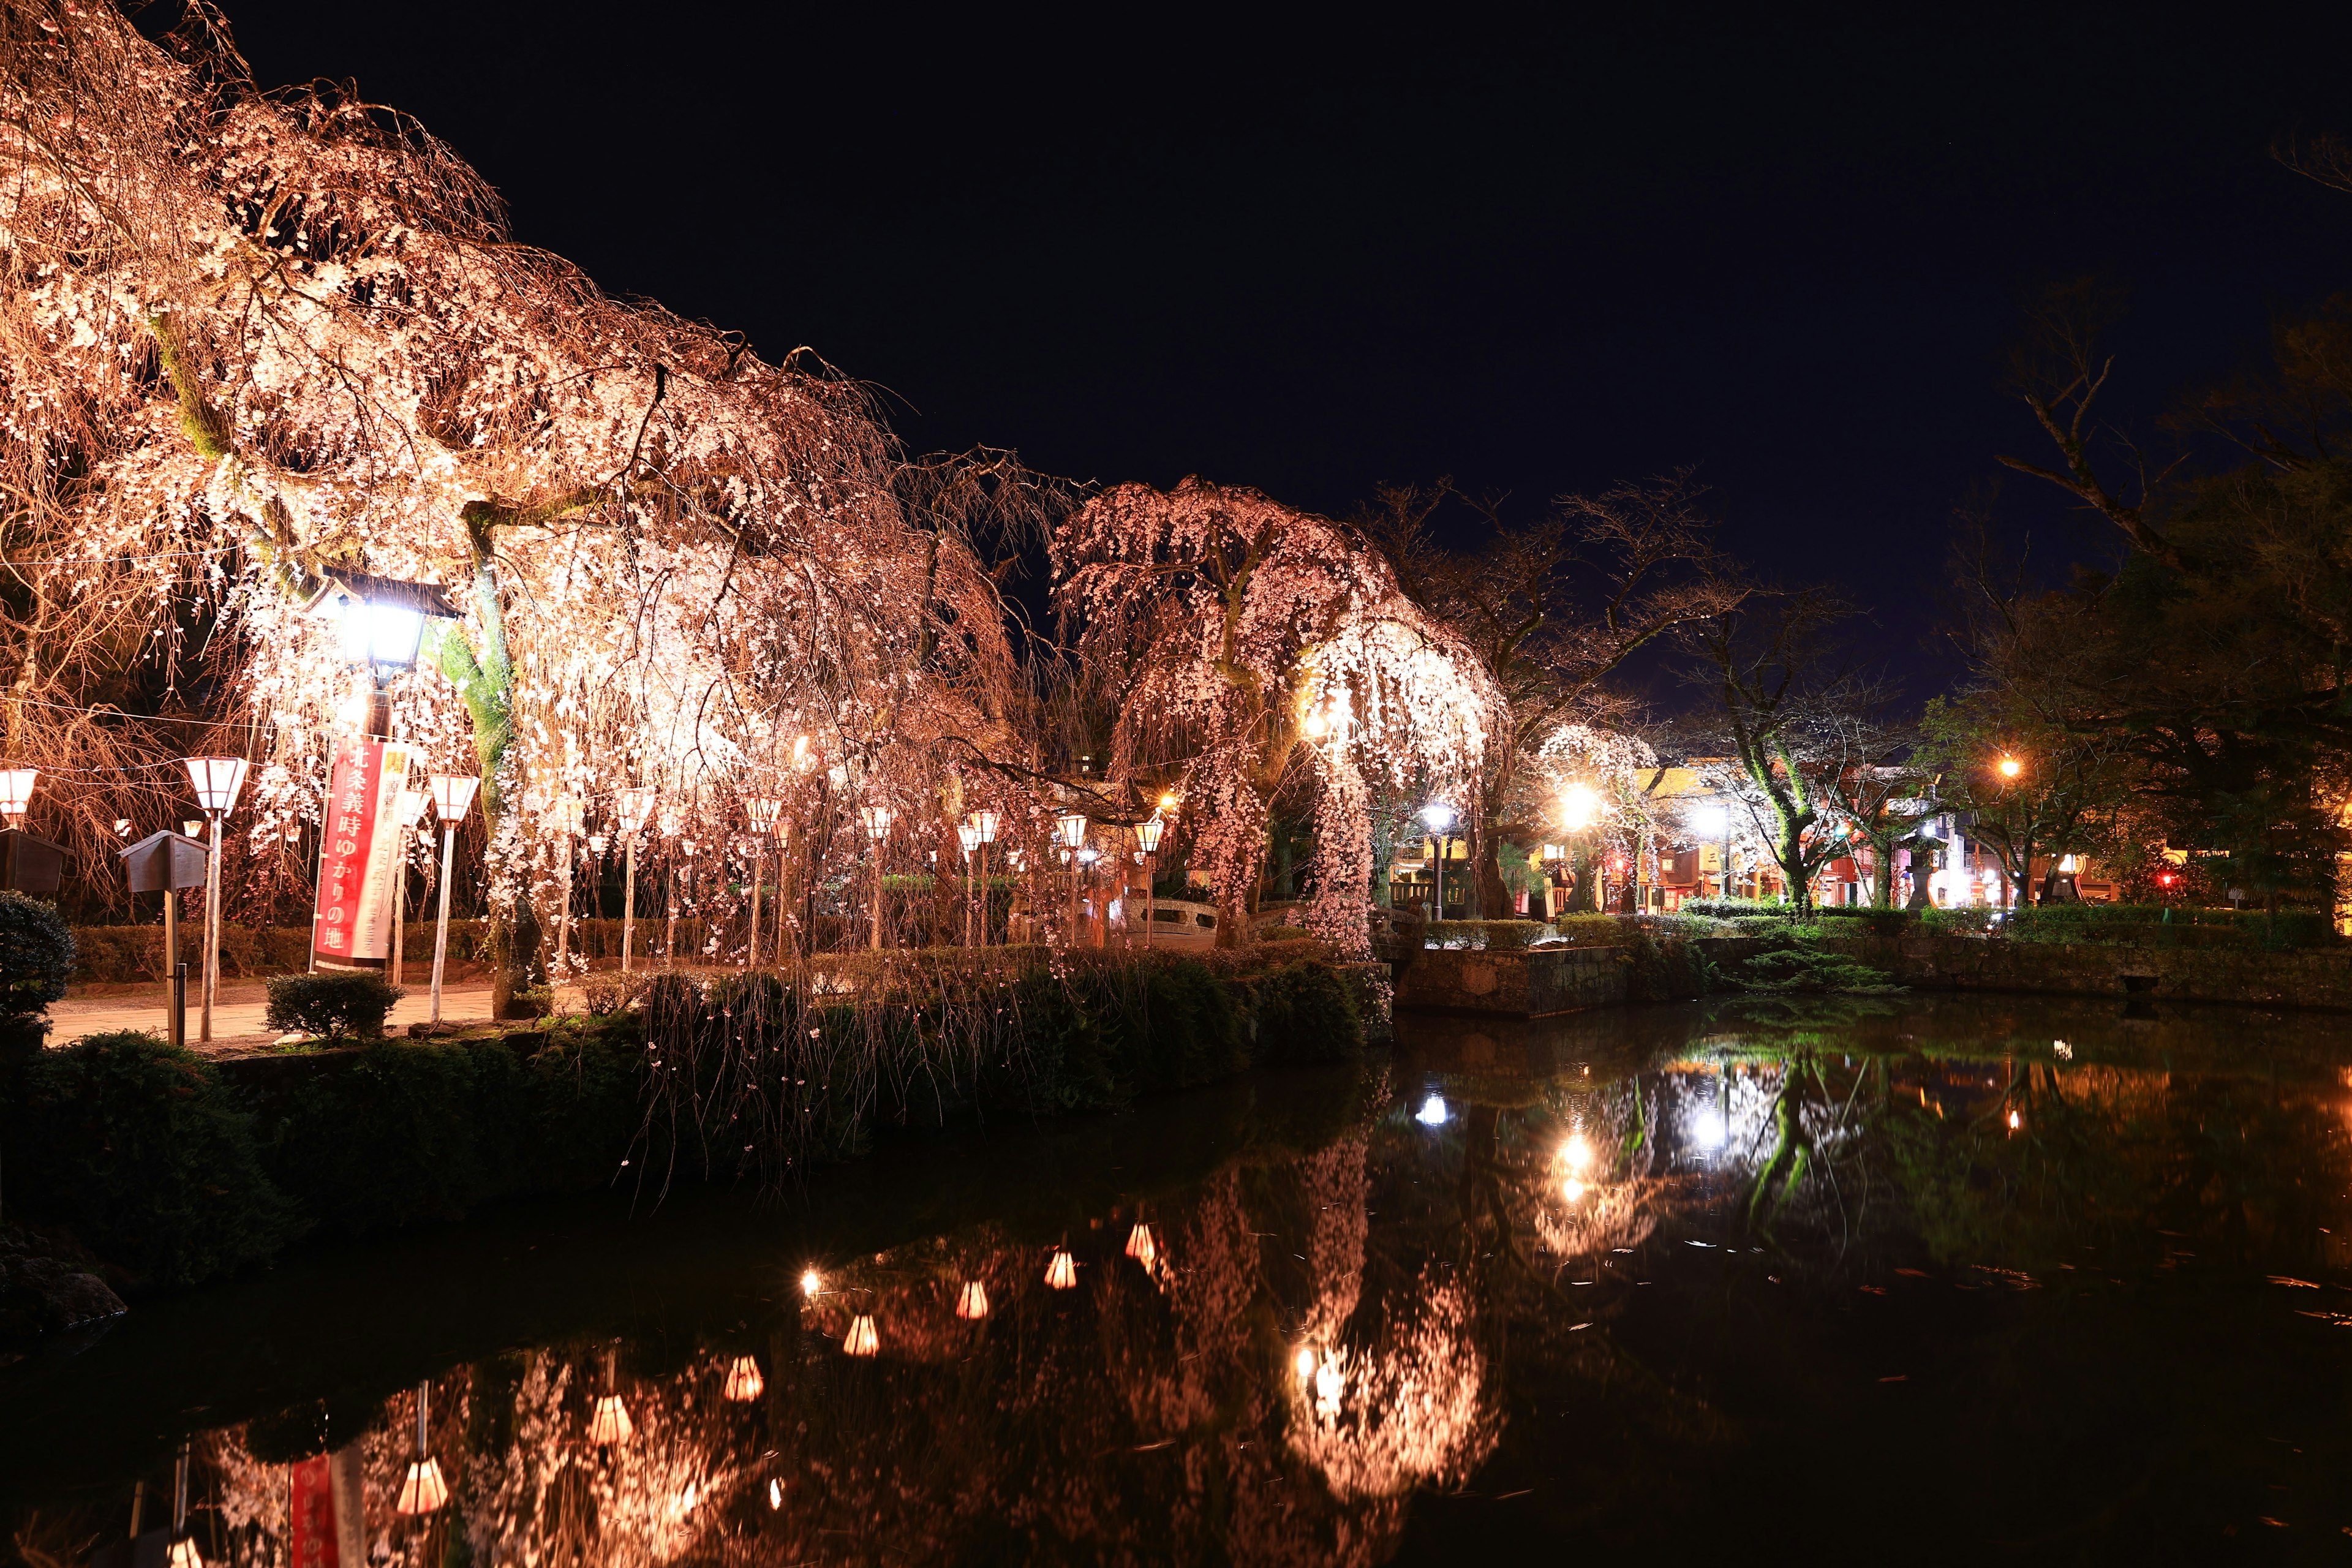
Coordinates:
[1537,256]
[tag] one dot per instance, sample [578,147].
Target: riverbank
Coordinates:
[176,1168]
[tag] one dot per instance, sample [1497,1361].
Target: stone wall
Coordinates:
[1529,985]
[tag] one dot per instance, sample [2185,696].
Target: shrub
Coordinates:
[1957,922]
[334,1005]
[37,956]
[145,1156]
[1863,922]
[1305,1012]
[1668,967]
[2168,925]
[1493,936]
[1791,960]
[1732,909]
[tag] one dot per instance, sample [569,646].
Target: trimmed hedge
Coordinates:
[2167,925]
[1493,936]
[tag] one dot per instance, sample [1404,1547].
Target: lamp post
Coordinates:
[1146,845]
[1070,832]
[968,838]
[1438,817]
[876,819]
[1713,822]
[16,794]
[410,810]
[453,797]
[636,805]
[570,814]
[784,869]
[983,823]
[218,782]
[764,810]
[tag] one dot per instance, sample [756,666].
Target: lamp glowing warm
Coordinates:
[610,1427]
[410,806]
[571,813]
[1304,1363]
[636,805]
[1437,816]
[184,1554]
[1146,836]
[1710,822]
[1070,828]
[2010,768]
[1578,807]
[969,837]
[453,797]
[1142,1247]
[972,1304]
[218,782]
[764,810]
[984,824]
[775,1493]
[1577,1153]
[17,792]
[811,1283]
[1554,852]
[424,1491]
[877,821]
[1062,1272]
[744,1383]
[862,1338]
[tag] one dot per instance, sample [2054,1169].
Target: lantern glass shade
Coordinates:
[972,1303]
[876,819]
[218,782]
[17,791]
[744,1383]
[969,837]
[764,810]
[862,1338]
[192,829]
[423,1491]
[453,797]
[1146,836]
[985,823]
[1071,828]
[1142,1247]
[184,1554]
[411,806]
[1063,1271]
[636,805]
[610,1425]
[571,813]
[1437,815]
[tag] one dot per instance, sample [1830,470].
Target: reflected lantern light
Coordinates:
[972,1304]
[744,1383]
[862,1339]
[1142,1247]
[1063,1271]
[611,1425]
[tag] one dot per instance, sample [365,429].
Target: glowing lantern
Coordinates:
[610,1427]
[1304,1363]
[422,1490]
[2010,768]
[1142,1247]
[1070,828]
[1571,1189]
[1146,836]
[184,1554]
[984,824]
[811,1283]
[862,1340]
[2015,1121]
[764,810]
[636,805]
[972,1304]
[1578,807]
[1432,1111]
[1062,1272]
[876,819]
[968,836]
[775,1493]
[1578,1153]
[744,1383]
[571,813]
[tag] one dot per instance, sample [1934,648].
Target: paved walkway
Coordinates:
[237,1011]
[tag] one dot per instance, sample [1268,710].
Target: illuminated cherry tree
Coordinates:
[250,340]
[1245,646]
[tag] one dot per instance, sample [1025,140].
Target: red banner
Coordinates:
[360,857]
[314,1515]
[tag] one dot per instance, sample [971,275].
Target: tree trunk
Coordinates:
[1881,877]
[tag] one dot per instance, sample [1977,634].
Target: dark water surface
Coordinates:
[1915,1279]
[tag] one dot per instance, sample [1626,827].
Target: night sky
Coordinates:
[1536,257]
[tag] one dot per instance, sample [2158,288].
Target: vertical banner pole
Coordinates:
[441,929]
[629,903]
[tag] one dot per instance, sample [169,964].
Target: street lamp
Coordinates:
[2010,768]
[876,819]
[410,810]
[1439,818]
[1070,831]
[636,805]
[764,810]
[16,794]
[983,823]
[570,814]
[453,797]
[218,782]
[380,624]
[1713,822]
[1147,843]
[968,838]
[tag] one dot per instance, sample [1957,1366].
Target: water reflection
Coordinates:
[1575,1282]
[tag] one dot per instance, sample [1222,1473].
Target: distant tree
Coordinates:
[1551,608]
[2029,787]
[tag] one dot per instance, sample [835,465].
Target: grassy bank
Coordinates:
[177,1168]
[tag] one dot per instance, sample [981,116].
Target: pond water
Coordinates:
[1911,1278]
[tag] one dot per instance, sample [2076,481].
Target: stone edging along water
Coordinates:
[1544,981]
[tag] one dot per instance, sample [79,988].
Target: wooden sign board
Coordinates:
[30,865]
[165,859]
